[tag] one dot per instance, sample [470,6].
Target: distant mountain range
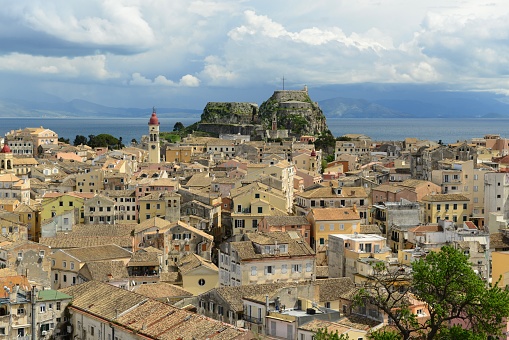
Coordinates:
[409,101]
[80,108]
[336,101]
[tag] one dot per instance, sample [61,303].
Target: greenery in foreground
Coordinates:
[451,291]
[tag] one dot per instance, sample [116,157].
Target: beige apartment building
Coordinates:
[463,177]
[265,258]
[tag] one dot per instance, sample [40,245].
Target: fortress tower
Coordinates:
[154,152]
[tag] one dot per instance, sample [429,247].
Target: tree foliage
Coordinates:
[101,140]
[324,334]
[178,126]
[80,140]
[451,291]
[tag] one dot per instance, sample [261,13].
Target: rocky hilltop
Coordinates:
[294,110]
[230,113]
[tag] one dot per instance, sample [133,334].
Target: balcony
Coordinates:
[253,319]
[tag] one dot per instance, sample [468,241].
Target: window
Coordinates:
[322,240]
[59,305]
[297,268]
[446,206]
[464,205]
[42,308]
[342,226]
[284,269]
[269,269]
[260,210]
[201,282]
[309,267]
[92,329]
[331,227]
[65,278]
[64,264]
[72,265]
[21,311]
[322,227]
[253,270]
[438,207]
[257,195]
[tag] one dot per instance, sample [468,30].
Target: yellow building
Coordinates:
[165,205]
[198,274]
[30,215]
[253,202]
[54,204]
[327,221]
[92,181]
[448,207]
[179,154]
[500,268]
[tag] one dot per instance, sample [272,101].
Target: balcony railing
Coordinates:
[252,319]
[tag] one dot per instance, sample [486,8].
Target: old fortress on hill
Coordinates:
[256,224]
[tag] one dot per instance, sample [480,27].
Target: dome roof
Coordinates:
[153,119]
[6,149]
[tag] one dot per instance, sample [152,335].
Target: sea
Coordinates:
[435,129]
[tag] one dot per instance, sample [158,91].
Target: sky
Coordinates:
[185,53]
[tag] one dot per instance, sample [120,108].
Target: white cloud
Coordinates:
[90,67]
[186,81]
[199,45]
[189,81]
[107,23]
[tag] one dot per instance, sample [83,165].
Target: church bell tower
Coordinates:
[154,147]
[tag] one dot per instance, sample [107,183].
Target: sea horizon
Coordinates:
[447,130]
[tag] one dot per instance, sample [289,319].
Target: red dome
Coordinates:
[313,153]
[153,119]
[6,149]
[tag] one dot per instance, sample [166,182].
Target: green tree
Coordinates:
[451,291]
[104,140]
[64,140]
[79,140]
[324,334]
[178,126]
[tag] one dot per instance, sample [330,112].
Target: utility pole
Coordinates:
[33,301]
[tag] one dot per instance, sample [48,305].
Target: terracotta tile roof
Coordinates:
[147,317]
[335,288]
[327,192]
[499,241]
[98,253]
[141,258]
[334,214]
[322,271]
[426,228]
[152,222]
[315,325]
[161,290]
[102,270]
[87,235]
[170,277]
[193,261]
[285,220]
[358,322]
[444,198]
[247,251]
[11,282]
